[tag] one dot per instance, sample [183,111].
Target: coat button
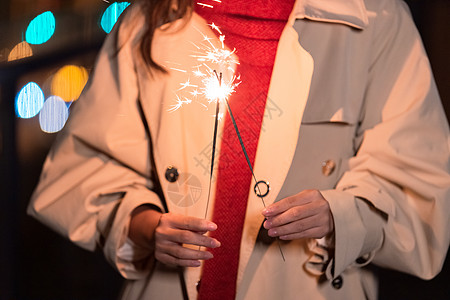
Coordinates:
[171,174]
[337,282]
[328,167]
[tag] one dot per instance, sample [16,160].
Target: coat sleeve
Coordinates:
[99,168]
[392,206]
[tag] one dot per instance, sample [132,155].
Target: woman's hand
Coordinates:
[170,232]
[304,215]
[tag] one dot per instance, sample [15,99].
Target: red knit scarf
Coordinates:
[253,28]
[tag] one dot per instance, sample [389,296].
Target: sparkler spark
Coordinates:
[198,73]
[179,70]
[195,93]
[215,27]
[205,5]
[186,84]
[207,87]
[179,103]
[216,55]
[222,39]
[214,90]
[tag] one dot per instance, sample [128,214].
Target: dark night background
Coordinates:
[36,263]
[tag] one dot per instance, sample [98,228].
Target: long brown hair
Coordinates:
[157,13]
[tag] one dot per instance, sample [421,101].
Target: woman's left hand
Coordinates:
[304,215]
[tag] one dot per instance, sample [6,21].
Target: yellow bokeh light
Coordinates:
[20,51]
[68,82]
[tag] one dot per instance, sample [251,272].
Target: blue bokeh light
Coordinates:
[111,14]
[41,28]
[53,115]
[29,101]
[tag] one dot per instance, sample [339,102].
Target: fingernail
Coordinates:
[272,232]
[196,264]
[267,224]
[211,226]
[266,211]
[215,244]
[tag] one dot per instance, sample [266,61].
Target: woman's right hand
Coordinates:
[170,233]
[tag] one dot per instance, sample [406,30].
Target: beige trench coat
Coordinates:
[352,111]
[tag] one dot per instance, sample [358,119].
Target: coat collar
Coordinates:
[349,12]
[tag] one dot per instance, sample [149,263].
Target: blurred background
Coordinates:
[47,51]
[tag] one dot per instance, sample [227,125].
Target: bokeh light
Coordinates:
[53,115]
[20,51]
[68,82]
[29,101]
[41,28]
[111,14]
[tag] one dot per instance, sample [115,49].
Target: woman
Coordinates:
[341,119]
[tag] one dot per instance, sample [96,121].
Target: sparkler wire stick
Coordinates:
[216,121]
[250,165]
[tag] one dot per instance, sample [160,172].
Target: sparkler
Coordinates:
[215,89]
[212,88]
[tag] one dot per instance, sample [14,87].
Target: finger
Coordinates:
[294,214]
[294,227]
[301,198]
[173,261]
[180,252]
[279,207]
[185,237]
[313,233]
[187,222]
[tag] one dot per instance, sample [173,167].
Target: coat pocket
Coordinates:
[321,157]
